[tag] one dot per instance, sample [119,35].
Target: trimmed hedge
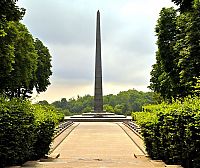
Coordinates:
[172,131]
[46,118]
[26,130]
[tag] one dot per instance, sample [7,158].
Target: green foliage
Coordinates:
[26,130]
[9,10]
[127,101]
[43,112]
[43,71]
[108,108]
[123,103]
[66,112]
[7,56]
[25,62]
[164,76]
[189,49]
[172,131]
[184,5]
[43,102]
[46,118]
[176,72]
[75,106]
[16,135]
[19,81]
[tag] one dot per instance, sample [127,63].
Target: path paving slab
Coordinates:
[99,145]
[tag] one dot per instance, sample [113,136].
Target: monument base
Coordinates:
[98,114]
[98,117]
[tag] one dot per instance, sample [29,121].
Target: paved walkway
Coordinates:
[99,145]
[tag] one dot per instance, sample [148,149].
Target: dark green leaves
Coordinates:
[123,103]
[26,130]
[164,76]
[176,72]
[43,71]
[184,5]
[25,62]
[172,131]
[9,10]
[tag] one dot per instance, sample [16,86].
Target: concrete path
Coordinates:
[100,145]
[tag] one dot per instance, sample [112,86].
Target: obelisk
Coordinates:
[98,94]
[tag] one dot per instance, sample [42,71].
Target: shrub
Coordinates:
[16,131]
[46,118]
[26,130]
[172,132]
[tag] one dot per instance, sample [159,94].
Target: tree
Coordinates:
[43,71]
[123,103]
[18,81]
[184,5]
[7,56]
[188,47]
[9,11]
[43,102]
[176,72]
[165,73]
[26,64]
[108,108]
[119,109]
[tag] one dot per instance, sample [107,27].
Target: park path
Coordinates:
[100,145]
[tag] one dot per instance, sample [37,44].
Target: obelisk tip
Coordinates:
[98,11]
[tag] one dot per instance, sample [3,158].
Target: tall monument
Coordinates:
[98,93]
[98,114]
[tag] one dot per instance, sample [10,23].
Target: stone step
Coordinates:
[140,162]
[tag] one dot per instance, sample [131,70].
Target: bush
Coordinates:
[25,130]
[16,131]
[172,132]
[46,118]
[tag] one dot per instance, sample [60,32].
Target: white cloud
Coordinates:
[68,30]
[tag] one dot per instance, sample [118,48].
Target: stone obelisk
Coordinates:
[98,114]
[98,94]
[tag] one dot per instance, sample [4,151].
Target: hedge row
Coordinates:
[172,131]
[26,130]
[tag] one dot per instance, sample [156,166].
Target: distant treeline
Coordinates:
[124,102]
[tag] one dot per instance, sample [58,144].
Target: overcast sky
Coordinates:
[67,28]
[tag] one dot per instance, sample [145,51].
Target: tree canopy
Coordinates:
[25,63]
[9,10]
[176,72]
[184,5]
[18,81]
[43,71]
[123,103]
